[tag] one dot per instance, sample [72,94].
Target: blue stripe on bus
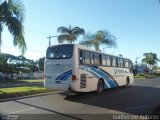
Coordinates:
[102,74]
[90,71]
[64,76]
[105,76]
[109,76]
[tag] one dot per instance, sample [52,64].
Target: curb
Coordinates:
[28,96]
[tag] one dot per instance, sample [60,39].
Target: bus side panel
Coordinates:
[83,82]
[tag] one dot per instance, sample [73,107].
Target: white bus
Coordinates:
[81,69]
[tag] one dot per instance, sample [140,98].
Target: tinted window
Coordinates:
[92,58]
[108,60]
[81,57]
[60,52]
[119,62]
[96,59]
[126,63]
[100,59]
[114,62]
[103,60]
[87,57]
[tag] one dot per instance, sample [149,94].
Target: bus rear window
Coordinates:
[60,52]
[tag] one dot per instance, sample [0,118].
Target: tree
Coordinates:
[98,38]
[11,64]
[12,15]
[69,34]
[150,58]
[40,63]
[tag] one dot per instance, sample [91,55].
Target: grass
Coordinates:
[33,81]
[22,91]
[144,76]
[12,82]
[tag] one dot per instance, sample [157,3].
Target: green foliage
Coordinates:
[150,58]
[14,65]
[69,34]
[144,76]
[41,63]
[98,38]
[12,15]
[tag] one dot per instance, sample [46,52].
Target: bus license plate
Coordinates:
[58,82]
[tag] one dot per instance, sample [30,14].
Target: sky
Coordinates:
[135,23]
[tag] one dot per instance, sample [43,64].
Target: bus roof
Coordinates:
[89,49]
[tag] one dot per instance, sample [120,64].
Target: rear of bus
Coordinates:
[59,66]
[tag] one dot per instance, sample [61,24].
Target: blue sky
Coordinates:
[135,23]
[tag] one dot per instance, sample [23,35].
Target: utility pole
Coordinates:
[49,37]
[105,48]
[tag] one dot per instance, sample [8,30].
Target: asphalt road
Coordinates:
[140,98]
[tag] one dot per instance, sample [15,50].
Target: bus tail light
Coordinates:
[74,78]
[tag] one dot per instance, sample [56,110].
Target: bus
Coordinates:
[78,68]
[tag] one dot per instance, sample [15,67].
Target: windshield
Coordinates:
[60,52]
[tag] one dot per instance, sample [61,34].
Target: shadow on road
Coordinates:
[134,99]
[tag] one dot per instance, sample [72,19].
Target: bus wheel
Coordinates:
[127,82]
[100,87]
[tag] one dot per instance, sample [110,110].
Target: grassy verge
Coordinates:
[145,76]
[12,82]
[21,91]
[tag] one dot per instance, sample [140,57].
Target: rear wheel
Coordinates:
[100,85]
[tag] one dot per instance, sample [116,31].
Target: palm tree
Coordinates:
[69,34]
[150,58]
[12,15]
[98,38]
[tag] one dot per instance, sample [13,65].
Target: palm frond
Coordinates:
[63,30]
[78,31]
[71,33]
[109,39]
[88,40]
[15,27]
[17,8]
[62,38]
[12,15]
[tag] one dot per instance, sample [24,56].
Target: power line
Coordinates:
[49,37]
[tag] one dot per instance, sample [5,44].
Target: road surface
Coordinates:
[140,98]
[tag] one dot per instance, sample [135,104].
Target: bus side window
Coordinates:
[92,58]
[103,60]
[114,62]
[81,57]
[100,59]
[87,57]
[96,58]
[126,64]
[108,60]
[123,62]
[119,62]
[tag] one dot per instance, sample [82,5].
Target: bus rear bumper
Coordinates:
[62,87]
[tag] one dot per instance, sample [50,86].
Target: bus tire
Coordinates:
[127,82]
[100,86]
